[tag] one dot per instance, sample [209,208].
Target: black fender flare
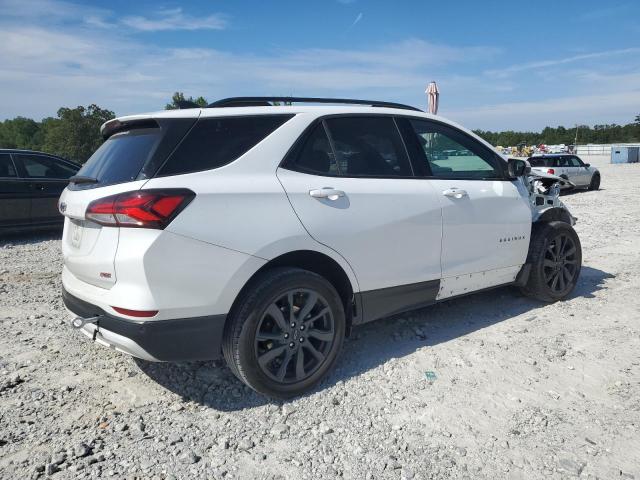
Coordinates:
[556,214]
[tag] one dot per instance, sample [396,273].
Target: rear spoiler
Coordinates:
[114,126]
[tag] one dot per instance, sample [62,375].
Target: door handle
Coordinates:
[455,193]
[38,186]
[326,192]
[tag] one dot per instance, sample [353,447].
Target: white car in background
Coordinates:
[264,233]
[569,167]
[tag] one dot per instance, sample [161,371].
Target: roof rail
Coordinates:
[267,101]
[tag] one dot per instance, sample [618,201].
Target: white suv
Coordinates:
[264,233]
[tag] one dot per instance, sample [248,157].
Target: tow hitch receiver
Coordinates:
[80,322]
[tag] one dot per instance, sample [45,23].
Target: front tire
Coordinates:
[555,256]
[595,182]
[285,333]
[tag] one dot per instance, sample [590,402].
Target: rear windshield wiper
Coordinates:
[83,179]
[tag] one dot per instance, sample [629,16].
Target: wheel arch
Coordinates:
[555,214]
[319,263]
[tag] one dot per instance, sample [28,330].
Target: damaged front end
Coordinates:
[544,196]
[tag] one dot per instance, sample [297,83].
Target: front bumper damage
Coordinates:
[544,196]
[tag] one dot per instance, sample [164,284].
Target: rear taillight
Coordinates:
[551,171]
[141,209]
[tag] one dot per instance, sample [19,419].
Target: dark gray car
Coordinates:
[30,185]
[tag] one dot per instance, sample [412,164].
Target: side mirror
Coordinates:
[517,168]
[587,165]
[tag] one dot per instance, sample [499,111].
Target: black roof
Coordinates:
[24,150]
[550,155]
[37,152]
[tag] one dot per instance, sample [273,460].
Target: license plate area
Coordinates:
[76,233]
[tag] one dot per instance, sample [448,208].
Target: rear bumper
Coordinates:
[182,339]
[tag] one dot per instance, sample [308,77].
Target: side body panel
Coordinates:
[45,191]
[243,207]
[389,230]
[15,202]
[179,276]
[486,230]
[44,202]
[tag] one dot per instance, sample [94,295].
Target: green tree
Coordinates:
[75,134]
[20,132]
[179,97]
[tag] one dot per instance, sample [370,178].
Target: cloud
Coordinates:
[48,11]
[51,61]
[56,11]
[561,61]
[71,66]
[357,20]
[175,19]
[601,108]
[603,13]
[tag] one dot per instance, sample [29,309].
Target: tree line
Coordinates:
[612,133]
[75,132]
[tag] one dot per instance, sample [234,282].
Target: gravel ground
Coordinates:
[493,385]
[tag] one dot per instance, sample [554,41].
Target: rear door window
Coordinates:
[214,142]
[40,166]
[316,155]
[368,147]
[7,169]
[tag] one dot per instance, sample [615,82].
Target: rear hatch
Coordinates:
[132,153]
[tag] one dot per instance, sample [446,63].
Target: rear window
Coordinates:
[214,142]
[122,156]
[538,162]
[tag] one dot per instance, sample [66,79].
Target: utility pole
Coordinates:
[575,142]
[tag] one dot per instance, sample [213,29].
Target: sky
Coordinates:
[499,65]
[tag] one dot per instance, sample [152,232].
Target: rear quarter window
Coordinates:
[215,142]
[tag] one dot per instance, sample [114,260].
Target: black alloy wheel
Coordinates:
[285,332]
[560,264]
[554,261]
[294,336]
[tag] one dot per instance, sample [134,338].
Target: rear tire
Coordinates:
[595,182]
[285,332]
[555,256]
